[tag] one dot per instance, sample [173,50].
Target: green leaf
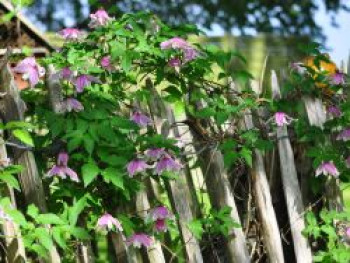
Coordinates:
[43,235]
[76,209]
[79,233]
[58,237]
[49,219]
[89,144]
[10,180]
[113,175]
[89,171]
[23,136]
[247,155]
[126,61]
[196,228]
[33,211]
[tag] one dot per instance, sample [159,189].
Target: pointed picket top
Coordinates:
[276,92]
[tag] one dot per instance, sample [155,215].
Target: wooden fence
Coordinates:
[262,236]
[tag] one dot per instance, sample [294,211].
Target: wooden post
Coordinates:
[292,192]
[270,229]
[15,249]
[220,192]
[13,109]
[178,190]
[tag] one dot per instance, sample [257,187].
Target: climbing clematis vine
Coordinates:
[99,18]
[62,170]
[139,239]
[70,33]
[108,222]
[167,163]
[136,166]
[327,168]
[31,70]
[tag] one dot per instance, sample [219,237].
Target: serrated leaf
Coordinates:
[79,233]
[32,211]
[43,235]
[10,180]
[196,228]
[76,209]
[49,219]
[23,136]
[89,171]
[114,176]
[58,237]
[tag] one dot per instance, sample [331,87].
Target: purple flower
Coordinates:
[281,119]
[166,163]
[155,153]
[174,63]
[344,135]
[66,73]
[107,222]
[136,166]
[30,70]
[73,104]
[160,225]
[84,80]
[334,111]
[139,239]
[347,162]
[327,168]
[70,33]
[140,119]
[338,78]
[348,232]
[62,170]
[190,54]
[98,19]
[106,62]
[160,212]
[174,43]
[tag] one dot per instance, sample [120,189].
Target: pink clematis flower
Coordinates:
[167,163]
[66,73]
[159,215]
[141,119]
[189,52]
[175,63]
[174,43]
[348,232]
[334,111]
[62,170]
[139,239]
[98,19]
[106,62]
[281,119]
[107,222]
[84,80]
[70,33]
[155,153]
[327,168]
[73,105]
[338,78]
[136,166]
[31,70]
[344,135]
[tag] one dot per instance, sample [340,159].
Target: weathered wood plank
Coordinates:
[291,187]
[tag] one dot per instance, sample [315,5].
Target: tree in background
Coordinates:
[284,17]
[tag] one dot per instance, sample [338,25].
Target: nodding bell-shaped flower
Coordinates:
[106,62]
[72,104]
[282,118]
[347,232]
[327,168]
[66,73]
[334,111]
[174,43]
[154,153]
[139,239]
[140,119]
[108,222]
[159,215]
[344,135]
[84,80]
[189,52]
[167,163]
[70,33]
[62,170]
[98,19]
[136,166]
[30,70]
[338,78]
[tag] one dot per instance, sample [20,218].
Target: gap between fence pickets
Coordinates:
[220,192]
[271,233]
[15,249]
[177,189]
[291,186]
[13,109]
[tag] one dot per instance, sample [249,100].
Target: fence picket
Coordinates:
[291,186]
